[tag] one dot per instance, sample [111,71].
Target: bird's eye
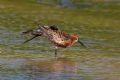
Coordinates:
[76,40]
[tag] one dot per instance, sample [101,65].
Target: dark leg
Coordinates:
[30,39]
[56,51]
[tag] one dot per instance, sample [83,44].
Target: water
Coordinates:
[35,60]
[81,64]
[60,69]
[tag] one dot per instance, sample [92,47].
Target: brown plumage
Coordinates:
[56,36]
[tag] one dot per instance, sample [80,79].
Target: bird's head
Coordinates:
[74,37]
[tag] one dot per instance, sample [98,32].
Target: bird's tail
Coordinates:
[34,32]
[27,32]
[39,31]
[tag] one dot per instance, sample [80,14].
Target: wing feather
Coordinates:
[55,35]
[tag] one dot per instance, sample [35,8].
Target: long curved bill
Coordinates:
[81,43]
[30,39]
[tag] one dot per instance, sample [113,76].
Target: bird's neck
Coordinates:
[69,43]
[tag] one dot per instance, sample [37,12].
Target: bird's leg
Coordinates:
[30,39]
[56,48]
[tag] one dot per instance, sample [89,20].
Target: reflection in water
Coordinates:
[54,69]
[85,68]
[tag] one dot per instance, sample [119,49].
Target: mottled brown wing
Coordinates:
[57,36]
[54,35]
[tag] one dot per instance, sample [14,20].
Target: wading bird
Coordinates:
[55,36]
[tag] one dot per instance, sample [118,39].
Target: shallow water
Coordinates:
[60,69]
[74,63]
[35,60]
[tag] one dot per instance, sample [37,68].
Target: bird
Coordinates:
[56,36]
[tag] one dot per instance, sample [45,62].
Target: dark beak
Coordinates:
[30,39]
[81,43]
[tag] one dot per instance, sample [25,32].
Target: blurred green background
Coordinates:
[97,22]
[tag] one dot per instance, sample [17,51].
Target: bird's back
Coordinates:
[55,35]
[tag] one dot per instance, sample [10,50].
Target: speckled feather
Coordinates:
[59,38]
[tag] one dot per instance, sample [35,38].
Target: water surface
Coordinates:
[97,28]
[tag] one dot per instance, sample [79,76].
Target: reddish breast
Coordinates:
[71,41]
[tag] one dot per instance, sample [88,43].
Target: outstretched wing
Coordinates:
[33,32]
[51,32]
